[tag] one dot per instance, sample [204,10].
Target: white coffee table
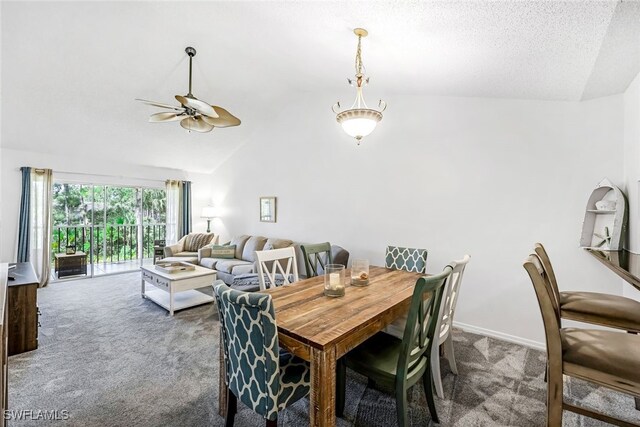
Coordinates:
[177,291]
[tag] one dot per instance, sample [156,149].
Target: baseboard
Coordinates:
[500,335]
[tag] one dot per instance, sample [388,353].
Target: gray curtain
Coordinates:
[23,225]
[185,225]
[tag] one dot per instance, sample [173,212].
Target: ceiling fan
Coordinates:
[193,114]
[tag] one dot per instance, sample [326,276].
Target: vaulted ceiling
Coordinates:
[71,70]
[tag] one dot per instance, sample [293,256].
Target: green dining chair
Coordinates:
[444,339]
[400,363]
[316,256]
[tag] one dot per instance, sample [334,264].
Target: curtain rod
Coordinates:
[110,176]
[102,175]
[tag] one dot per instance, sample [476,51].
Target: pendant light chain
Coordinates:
[359,65]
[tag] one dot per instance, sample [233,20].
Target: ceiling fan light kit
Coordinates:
[193,114]
[359,120]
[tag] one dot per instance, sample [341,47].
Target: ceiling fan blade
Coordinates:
[159,104]
[196,124]
[166,117]
[225,119]
[200,106]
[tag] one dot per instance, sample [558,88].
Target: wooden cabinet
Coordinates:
[22,309]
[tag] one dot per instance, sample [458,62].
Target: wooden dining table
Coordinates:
[322,329]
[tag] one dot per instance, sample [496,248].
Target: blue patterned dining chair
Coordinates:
[408,259]
[260,374]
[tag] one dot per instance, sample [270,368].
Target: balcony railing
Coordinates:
[111,243]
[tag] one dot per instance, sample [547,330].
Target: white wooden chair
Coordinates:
[445,323]
[277,262]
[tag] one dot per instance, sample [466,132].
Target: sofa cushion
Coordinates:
[226,265]
[210,262]
[246,282]
[222,251]
[272,243]
[255,243]
[243,269]
[195,241]
[239,242]
[339,255]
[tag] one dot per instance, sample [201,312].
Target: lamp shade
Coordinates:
[209,212]
[359,123]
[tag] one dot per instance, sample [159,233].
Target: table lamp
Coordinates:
[209,212]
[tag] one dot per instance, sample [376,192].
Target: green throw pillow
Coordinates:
[223,251]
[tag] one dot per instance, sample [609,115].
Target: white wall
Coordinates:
[84,169]
[632,170]
[2,227]
[487,177]
[632,160]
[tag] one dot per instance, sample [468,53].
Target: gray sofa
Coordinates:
[238,271]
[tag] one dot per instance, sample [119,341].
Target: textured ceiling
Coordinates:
[77,66]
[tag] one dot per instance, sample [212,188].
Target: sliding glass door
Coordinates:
[154,221]
[72,229]
[112,227]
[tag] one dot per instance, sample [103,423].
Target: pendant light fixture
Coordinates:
[359,120]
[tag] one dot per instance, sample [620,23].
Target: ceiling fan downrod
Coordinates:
[191,52]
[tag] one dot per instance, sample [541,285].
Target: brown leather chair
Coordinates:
[591,307]
[607,358]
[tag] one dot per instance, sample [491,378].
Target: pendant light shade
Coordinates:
[359,121]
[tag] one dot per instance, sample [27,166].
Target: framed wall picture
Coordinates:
[268,209]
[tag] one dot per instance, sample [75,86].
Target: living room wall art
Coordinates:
[268,209]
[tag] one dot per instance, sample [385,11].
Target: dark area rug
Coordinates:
[110,358]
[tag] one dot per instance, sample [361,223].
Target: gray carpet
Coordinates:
[112,359]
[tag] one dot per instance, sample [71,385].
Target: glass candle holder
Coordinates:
[360,272]
[334,280]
